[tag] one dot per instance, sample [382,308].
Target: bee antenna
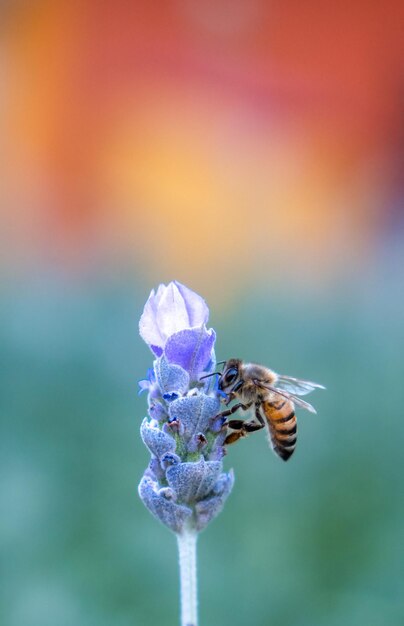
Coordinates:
[220,362]
[212,374]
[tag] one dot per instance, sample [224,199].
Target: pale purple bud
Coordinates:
[172,308]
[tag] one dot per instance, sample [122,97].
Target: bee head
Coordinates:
[230,379]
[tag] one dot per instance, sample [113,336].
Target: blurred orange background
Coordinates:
[253,151]
[187,139]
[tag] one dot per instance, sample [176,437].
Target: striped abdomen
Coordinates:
[282,426]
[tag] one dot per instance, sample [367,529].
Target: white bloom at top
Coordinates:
[171,309]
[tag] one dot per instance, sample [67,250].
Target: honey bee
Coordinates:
[273,399]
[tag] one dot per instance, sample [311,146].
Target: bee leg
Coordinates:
[241,429]
[258,415]
[234,408]
[248,427]
[235,424]
[233,437]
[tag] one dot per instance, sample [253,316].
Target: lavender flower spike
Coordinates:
[184,485]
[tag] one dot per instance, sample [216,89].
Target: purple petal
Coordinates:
[197,309]
[144,385]
[159,293]
[148,327]
[156,349]
[172,314]
[147,383]
[192,349]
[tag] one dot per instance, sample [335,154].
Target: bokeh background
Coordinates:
[253,151]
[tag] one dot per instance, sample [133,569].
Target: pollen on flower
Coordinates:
[184,484]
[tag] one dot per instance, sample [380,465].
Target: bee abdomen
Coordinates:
[282,427]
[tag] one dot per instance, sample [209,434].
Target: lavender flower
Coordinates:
[184,485]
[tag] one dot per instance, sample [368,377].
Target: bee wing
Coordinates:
[289,396]
[297,386]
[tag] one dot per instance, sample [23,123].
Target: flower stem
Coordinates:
[187,559]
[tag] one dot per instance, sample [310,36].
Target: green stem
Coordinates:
[187,559]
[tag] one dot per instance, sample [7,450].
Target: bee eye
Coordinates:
[231,375]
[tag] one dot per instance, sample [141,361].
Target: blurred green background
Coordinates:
[251,150]
[315,541]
